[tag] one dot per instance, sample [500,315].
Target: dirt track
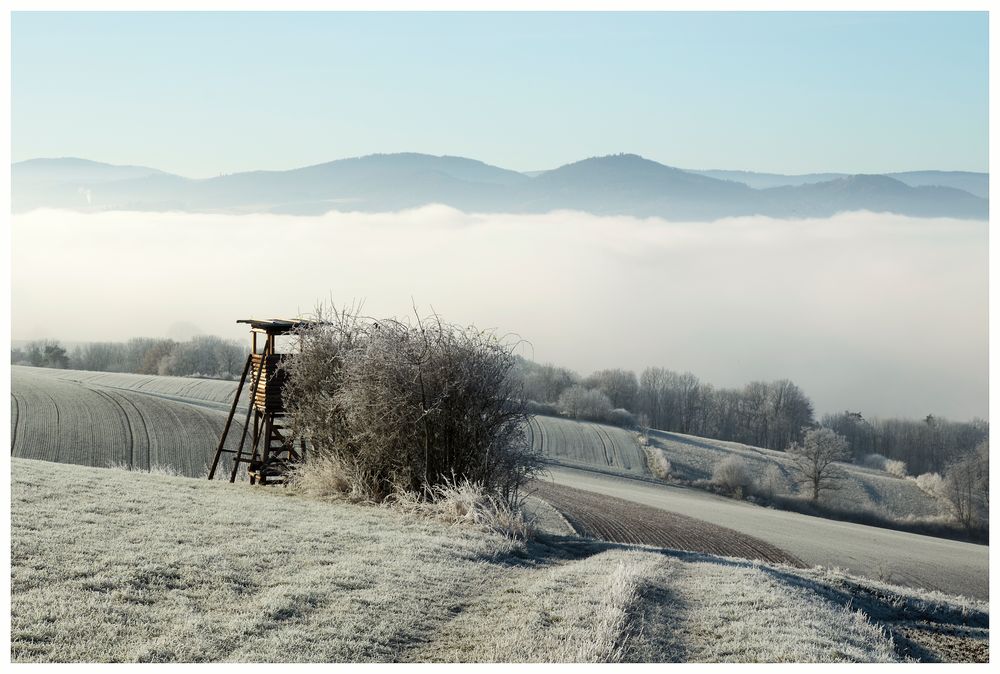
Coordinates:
[620,521]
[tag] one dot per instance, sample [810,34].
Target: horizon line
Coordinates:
[470,158]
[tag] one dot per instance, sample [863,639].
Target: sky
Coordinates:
[876,313]
[201,94]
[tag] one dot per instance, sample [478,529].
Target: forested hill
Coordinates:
[623,184]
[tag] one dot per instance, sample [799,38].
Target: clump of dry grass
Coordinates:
[454,501]
[154,469]
[465,502]
[322,476]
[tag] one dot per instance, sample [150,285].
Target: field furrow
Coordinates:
[588,444]
[75,420]
[620,521]
[14,407]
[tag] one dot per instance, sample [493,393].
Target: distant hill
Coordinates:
[977,184]
[624,184]
[66,182]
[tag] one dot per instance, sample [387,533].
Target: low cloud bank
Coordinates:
[880,313]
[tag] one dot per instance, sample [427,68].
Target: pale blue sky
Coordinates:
[206,93]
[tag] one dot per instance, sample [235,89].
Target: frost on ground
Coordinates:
[69,418]
[100,418]
[118,566]
[867,490]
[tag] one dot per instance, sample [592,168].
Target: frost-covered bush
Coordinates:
[621,417]
[873,461]
[878,462]
[773,483]
[931,483]
[895,468]
[544,409]
[732,475]
[578,402]
[399,407]
[657,460]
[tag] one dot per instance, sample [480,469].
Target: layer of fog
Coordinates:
[872,312]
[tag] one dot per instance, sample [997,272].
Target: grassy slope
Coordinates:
[694,458]
[116,566]
[571,443]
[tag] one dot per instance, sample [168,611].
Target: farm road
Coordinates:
[898,557]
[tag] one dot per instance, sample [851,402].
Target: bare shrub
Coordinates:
[544,409]
[621,417]
[401,407]
[966,487]
[873,461]
[657,461]
[896,468]
[931,483]
[732,475]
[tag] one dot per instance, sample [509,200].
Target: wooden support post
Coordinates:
[229,419]
[246,423]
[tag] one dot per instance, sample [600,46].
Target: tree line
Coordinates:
[204,356]
[773,414]
[926,445]
[764,414]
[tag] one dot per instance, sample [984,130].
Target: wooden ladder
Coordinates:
[246,422]
[278,454]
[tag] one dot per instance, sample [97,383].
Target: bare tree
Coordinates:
[967,487]
[43,353]
[543,383]
[620,386]
[814,462]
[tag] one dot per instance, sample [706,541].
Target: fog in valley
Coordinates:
[879,313]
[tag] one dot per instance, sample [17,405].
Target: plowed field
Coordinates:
[82,422]
[590,445]
[620,521]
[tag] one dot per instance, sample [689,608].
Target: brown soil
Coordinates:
[620,521]
[935,642]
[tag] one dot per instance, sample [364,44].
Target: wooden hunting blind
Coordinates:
[271,450]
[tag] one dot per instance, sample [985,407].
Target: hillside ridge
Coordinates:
[616,184]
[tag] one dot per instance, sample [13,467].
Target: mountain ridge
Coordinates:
[617,184]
